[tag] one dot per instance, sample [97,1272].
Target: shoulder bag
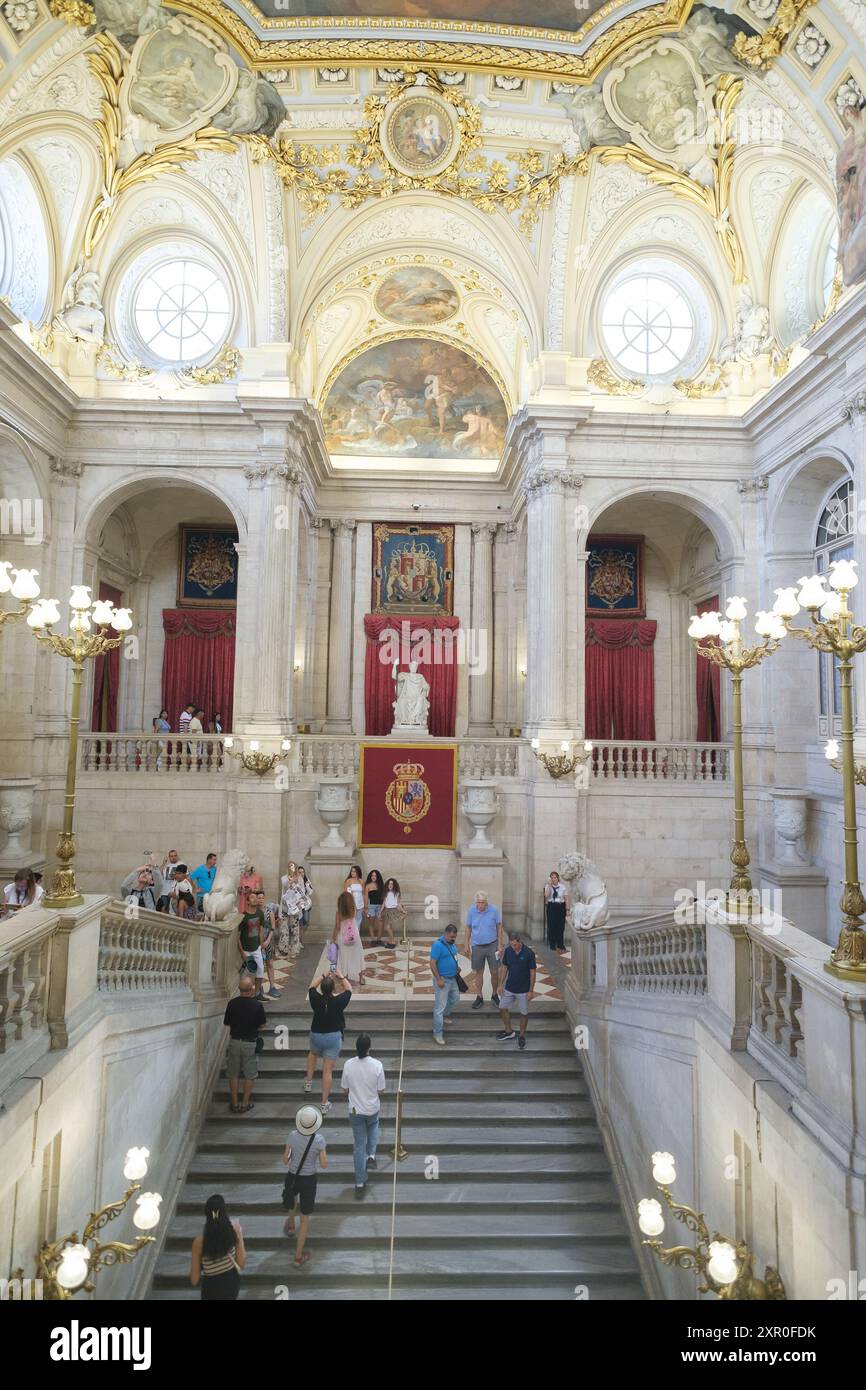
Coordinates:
[462,986]
[289,1183]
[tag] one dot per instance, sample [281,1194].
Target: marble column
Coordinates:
[339,719]
[504,659]
[481,675]
[268,548]
[547,489]
[857,602]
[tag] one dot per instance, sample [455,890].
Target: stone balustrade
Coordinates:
[25,955]
[653,955]
[201,756]
[620,761]
[141,950]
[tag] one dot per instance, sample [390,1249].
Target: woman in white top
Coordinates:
[355,886]
[22,891]
[292,903]
[556,904]
[393,911]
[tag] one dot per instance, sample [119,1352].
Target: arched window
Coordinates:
[834,540]
[24,254]
[653,321]
[174,305]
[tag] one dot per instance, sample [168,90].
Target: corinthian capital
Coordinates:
[542,481]
[343,526]
[484,530]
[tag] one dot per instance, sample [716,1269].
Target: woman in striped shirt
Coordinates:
[218,1254]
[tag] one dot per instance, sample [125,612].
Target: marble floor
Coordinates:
[405,974]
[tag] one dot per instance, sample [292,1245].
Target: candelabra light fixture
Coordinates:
[256,760]
[23,587]
[81,644]
[68,1265]
[564,762]
[726,649]
[728,1266]
[825,599]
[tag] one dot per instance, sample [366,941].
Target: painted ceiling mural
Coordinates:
[564,15]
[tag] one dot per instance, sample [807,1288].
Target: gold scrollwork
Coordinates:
[114,364]
[223,367]
[759,50]
[73,12]
[709,383]
[600,373]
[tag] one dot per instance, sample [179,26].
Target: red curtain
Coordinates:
[106,677]
[198,663]
[708,686]
[620,700]
[440,671]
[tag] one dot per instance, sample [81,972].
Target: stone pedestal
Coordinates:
[409,733]
[333,803]
[480,871]
[480,806]
[792,885]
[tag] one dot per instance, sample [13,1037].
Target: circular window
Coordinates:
[181,311]
[648,326]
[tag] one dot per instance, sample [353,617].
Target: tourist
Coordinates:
[216,723]
[308,889]
[269,945]
[249,882]
[393,911]
[445,967]
[244,1017]
[555,904]
[305,1149]
[346,935]
[374,895]
[251,941]
[218,1254]
[186,715]
[23,891]
[168,868]
[363,1077]
[203,877]
[196,726]
[326,1029]
[517,986]
[143,887]
[182,894]
[162,723]
[484,940]
[292,903]
[354,885]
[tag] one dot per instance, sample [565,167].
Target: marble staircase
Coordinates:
[524,1205]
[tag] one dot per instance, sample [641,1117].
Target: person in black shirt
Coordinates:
[244,1018]
[516,986]
[326,1029]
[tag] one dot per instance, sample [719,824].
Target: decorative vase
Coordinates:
[789,820]
[333,803]
[16,816]
[480,805]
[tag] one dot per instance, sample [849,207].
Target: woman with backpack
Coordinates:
[326,1029]
[347,937]
[218,1254]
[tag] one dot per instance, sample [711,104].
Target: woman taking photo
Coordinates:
[218,1254]
[347,938]
[374,899]
[393,911]
[326,1030]
[556,902]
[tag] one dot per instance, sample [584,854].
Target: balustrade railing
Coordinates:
[620,760]
[669,959]
[25,954]
[201,755]
[142,951]
[777,1005]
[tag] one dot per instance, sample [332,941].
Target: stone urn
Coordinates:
[333,803]
[16,815]
[480,806]
[789,821]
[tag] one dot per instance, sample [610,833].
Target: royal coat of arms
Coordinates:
[209,567]
[614,577]
[407,797]
[413,569]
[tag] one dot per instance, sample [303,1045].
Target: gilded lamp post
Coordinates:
[726,649]
[79,646]
[833,630]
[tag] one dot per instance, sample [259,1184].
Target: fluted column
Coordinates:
[339,720]
[481,676]
[268,554]
[547,489]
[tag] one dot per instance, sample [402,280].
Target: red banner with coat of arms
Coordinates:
[408,795]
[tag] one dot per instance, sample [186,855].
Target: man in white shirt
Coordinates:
[363,1078]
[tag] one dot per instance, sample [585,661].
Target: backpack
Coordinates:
[350,934]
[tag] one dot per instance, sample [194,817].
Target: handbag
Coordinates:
[288,1197]
[462,986]
[350,934]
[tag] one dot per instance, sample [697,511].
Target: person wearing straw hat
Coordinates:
[305,1151]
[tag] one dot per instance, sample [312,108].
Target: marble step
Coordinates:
[460,1090]
[302,1289]
[545,1192]
[358,1225]
[539,1164]
[422,1111]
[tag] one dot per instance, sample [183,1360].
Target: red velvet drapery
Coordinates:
[620,699]
[106,677]
[708,686]
[439,668]
[198,662]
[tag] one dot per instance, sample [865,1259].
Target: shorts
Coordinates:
[480,954]
[305,1188]
[256,955]
[326,1045]
[374,909]
[507,1000]
[241,1060]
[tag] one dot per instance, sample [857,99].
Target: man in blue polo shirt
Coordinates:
[484,942]
[203,878]
[445,968]
[517,986]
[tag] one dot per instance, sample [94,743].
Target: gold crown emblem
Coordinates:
[408,769]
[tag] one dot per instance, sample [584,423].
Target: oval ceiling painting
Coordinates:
[417,297]
[415,398]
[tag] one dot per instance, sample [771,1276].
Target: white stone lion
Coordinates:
[589,905]
[222,900]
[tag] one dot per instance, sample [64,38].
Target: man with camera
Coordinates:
[144,886]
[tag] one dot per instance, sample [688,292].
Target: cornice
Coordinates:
[33,399]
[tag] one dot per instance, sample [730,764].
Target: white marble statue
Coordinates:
[222,900]
[412,705]
[81,314]
[589,904]
[752,334]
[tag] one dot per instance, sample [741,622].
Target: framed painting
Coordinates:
[614,577]
[207,574]
[413,569]
[408,796]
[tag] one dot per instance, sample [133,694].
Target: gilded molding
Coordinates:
[600,373]
[114,364]
[709,383]
[759,50]
[223,367]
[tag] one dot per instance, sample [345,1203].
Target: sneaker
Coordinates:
[260,998]
[274,993]
[494,999]
[359,1192]
[504,1036]
[478,1002]
[371,1161]
[438,1038]
[325,1107]
[308,1085]
[521,1043]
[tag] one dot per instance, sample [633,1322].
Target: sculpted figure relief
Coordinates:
[81,314]
[589,903]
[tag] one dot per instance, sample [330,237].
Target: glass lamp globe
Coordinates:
[72,1270]
[649,1216]
[587,745]
[50,609]
[79,599]
[80,620]
[697,626]
[664,1169]
[103,612]
[564,746]
[832,607]
[787,604]
[535,743]
[5,581]
[812,592]
[843,574]
[254,745]
[122,620]
[135,1164]
[286,745]
[831,749]
[147,1211]
[736,609]
[25,585]
[727,631]
[769,624]
[722,1266]
[229,741]
[36,617]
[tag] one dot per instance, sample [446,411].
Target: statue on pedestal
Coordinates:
[589,903]
[412,705]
